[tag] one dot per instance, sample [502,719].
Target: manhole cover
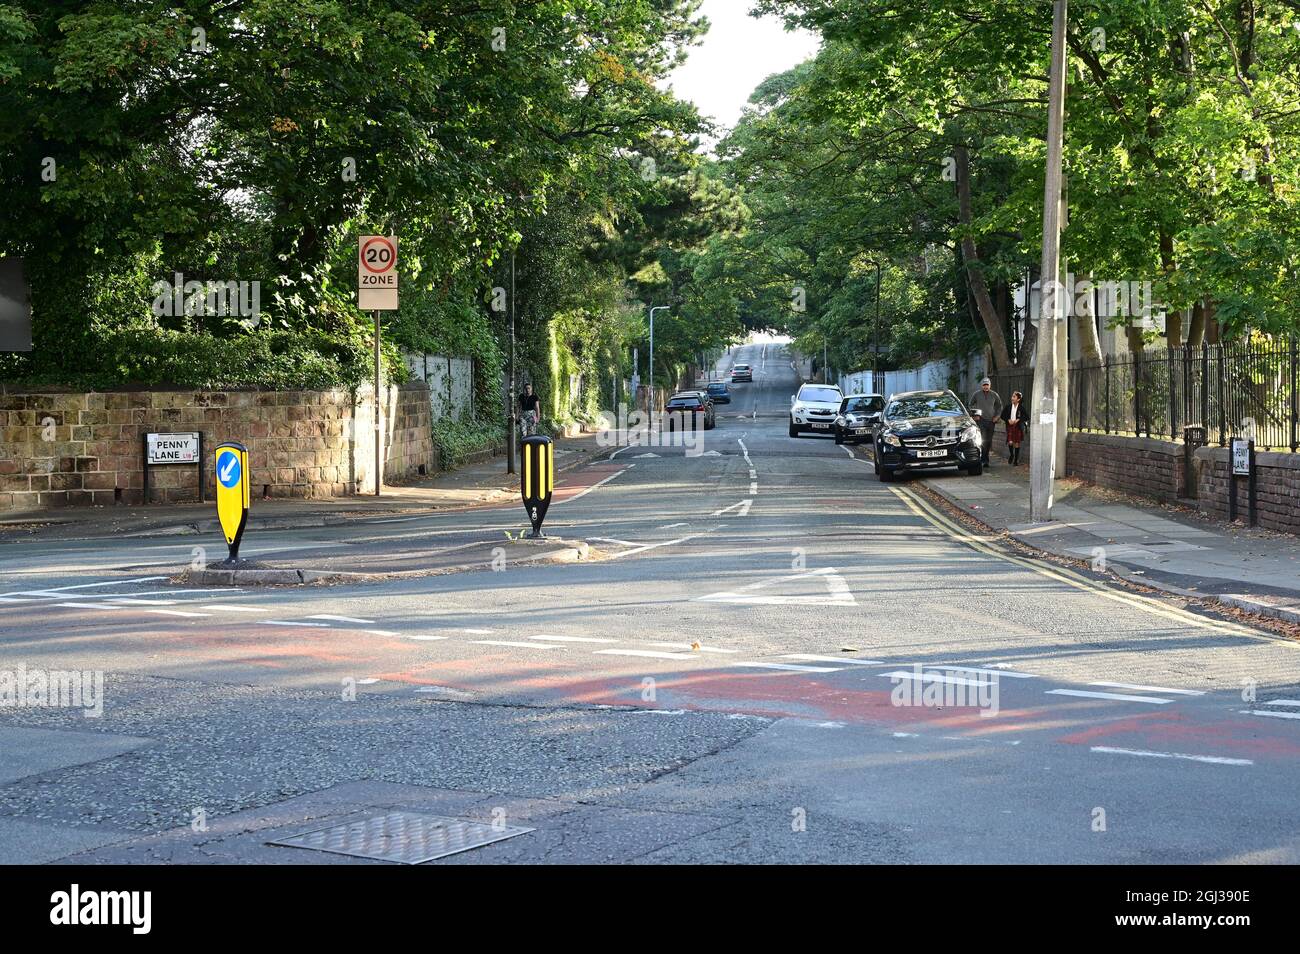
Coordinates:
[404,837]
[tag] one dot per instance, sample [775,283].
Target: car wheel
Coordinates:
[839,438]
[794,431]
[886,474]
[975,469]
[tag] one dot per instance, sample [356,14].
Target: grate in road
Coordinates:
[403,837]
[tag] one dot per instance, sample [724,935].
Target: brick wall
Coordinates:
[79,449]
[1277,478]
[1139,465]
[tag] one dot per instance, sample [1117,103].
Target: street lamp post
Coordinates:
[512,434]
[651,408]
[875,336]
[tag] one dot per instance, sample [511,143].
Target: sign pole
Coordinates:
[379,431]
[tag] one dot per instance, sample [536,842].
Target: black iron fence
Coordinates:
[1246,388]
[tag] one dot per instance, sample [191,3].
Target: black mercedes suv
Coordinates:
[921,430]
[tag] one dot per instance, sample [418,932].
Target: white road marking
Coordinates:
[381,632]
[662,712]
[1112,696]
[367,682]
[108,606]
[287,622]
[163,612]
[789,667]
[477,632]
[51,591]
[1211,759]
[753,475]
[134,602]
[643,653]
[753,488]
[640,456]
[992,672]
[573,639]
[515,644]
[622,543]
[702,649]
[654,546]
[813,657]
[1126,685]
[743,506]
[837,592]
[340,619]
[1283,702]
[422,639]
[235,609]
[933,677]
[587,490]
[671,526]
[1272,715]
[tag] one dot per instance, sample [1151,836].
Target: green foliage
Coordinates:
[456,440]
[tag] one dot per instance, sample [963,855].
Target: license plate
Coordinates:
[927,454]
[860,431]
[821,427]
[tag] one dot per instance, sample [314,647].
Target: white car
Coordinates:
[814,409]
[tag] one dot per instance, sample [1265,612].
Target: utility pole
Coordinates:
[512,433]
[1042,447]
[1063,341]
[875,337]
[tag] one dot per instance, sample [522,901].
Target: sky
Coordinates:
[737,54]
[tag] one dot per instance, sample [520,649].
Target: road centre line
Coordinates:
[594,486]
[813,657]
[933,677]
[516,644]
[644,654]
[53,590]
[787,667]
[573,639]
[654,546]
[990,672]
[1271,715]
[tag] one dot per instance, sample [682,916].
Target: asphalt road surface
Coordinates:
[780,659]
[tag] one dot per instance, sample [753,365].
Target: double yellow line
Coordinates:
[539,469]
[927,512]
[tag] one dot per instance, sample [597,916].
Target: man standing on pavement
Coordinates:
[986,404]
[531,406]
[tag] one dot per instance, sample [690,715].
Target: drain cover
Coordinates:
[404,837]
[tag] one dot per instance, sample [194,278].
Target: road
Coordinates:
[731,683]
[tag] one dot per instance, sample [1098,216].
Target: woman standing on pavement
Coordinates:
[1015,414]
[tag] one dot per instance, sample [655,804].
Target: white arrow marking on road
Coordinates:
[711,454]
[743,506]
[838,593]
[230,468]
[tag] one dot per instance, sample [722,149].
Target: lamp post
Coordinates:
[875,336]
[651,408]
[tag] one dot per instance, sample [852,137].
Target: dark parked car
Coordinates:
[858,415]
[921,430]
[719,394]
[742,372]
[689,406]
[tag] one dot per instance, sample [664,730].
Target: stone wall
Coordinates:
[73,449]
[1277,478]
[1139,465]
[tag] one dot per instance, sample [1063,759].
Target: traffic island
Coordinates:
[491,552]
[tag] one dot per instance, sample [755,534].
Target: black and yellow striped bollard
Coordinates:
[537,479]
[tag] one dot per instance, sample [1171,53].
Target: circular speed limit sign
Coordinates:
[378,254]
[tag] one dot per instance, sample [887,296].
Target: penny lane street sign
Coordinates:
[185,447]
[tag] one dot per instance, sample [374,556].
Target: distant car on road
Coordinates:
[814,409]
[858,415]
[692,406]
[921,430]
[742,372]
[718,393]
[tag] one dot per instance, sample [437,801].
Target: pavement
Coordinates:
[777,659]
[1168,547]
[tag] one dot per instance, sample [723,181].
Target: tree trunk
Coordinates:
[1196,328]
[1086,325]
[974,276]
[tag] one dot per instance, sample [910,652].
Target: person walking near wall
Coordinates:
[1016,414]
[987,406]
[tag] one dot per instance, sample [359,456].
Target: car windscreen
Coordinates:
[862,405]
[819,394]
[940,405]
[683,402]
[717,388]
[741,367]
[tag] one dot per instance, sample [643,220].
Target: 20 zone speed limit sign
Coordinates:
[377,273]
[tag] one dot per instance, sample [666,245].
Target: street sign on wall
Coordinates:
[377,273]
[1241,457]
[172,448]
